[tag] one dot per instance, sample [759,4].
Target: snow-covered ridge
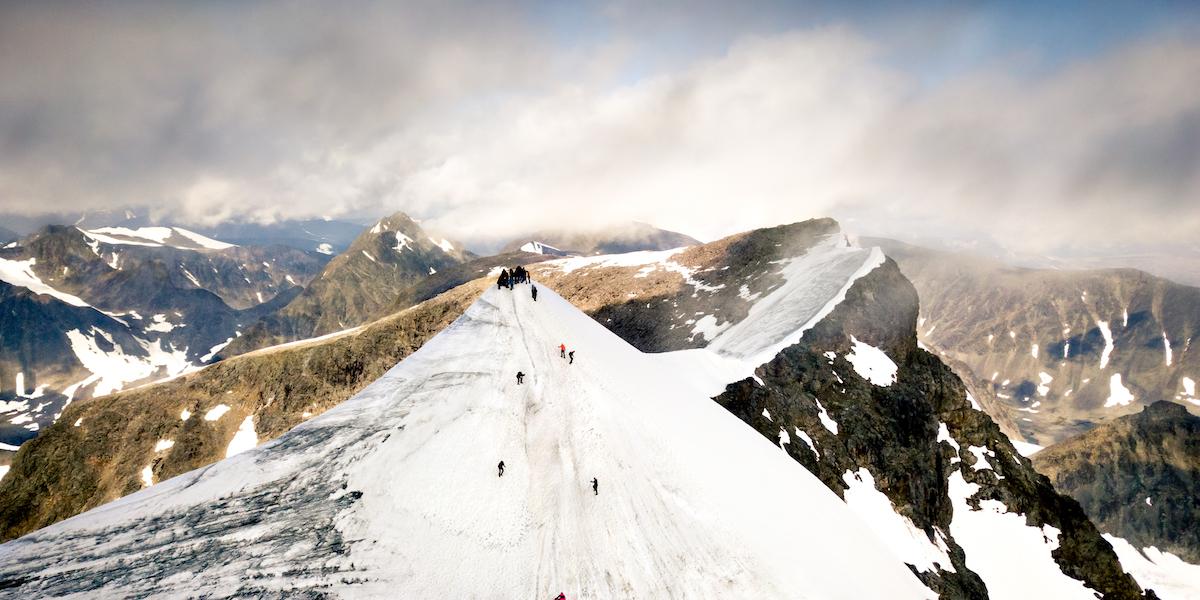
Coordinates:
[404,476]
[173,237]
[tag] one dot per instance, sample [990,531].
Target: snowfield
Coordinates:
[395,493]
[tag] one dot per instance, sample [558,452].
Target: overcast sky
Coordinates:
[1038,128]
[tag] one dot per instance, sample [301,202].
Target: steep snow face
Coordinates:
[1163,572]
[1013,558]
[395,492]
[816,282]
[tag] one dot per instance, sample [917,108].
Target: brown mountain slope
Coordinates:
[1058,351]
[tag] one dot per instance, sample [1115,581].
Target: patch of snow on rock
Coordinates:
[1108,343]
[808,440]
[245,438]
[826,420]
[215,412]
[872,364]
[1118,394]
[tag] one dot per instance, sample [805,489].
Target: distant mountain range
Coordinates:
[815,337]
[85,313]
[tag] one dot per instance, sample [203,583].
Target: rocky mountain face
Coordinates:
[357,285]
[1137,477]
[615,239]
[88,313]
[1057,352]
[111,446]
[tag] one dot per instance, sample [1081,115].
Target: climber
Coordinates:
[596,486]
[560,596]
[562,350]
[534,293]
[502,282]
[520,378]
[571,356]
[501,467]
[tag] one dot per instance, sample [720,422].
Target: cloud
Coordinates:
[483,122]
[811,123]
[209,107]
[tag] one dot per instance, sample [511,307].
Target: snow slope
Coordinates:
[816,282]
[394,493]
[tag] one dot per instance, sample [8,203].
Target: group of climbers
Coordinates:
[517,275]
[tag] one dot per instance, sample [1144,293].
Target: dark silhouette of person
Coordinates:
[560,596]
[596,486]
[534,293]
[520,378]
[502,282]
[501,467]
[571,356]
[562,350]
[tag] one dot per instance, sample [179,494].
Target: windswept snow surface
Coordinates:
[394,492]
[816,282]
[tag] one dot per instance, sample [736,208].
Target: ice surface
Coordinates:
[394,492]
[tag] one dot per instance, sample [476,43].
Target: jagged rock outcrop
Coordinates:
[893,432]
[1057,351]
[1137,477]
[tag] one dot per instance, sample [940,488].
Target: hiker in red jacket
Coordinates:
[562,350]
